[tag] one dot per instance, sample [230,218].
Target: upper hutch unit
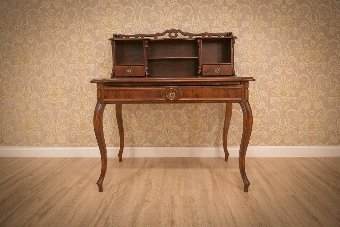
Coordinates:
[173,53]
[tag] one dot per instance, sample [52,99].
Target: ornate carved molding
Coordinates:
[173,34]
[171,94]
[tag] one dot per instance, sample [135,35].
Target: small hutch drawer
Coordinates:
[127,70]
[217,70]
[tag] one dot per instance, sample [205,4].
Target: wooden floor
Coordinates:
[169,192]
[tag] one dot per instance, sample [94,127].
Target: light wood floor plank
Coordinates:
[169,192]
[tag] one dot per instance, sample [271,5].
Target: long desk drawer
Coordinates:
[172,94]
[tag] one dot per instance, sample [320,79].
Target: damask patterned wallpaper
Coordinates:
[50,50]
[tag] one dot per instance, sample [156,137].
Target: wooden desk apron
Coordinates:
[175,91]
[153,90]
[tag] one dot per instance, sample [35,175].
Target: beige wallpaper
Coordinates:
[50,50]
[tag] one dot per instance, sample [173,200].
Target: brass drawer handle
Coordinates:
[129,71]
[171,95]
[217,70]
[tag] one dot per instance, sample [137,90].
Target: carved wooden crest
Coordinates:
[175,33]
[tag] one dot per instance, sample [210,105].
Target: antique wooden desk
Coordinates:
[173,67]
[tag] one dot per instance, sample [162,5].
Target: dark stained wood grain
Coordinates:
[129,52]
[173,53]
[217,69]
[98,129]
[119,118]
[200,81]
[129,71]
[146,55]
[199,46]
[174,34]
[247,128]
[216,51]
[172,48]
[173,67]
[227,119]
[155,94]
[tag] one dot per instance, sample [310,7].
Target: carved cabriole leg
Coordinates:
[98,129]
[121,129]
[247,128]
[228,113]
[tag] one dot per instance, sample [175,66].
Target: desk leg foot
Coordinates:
[247,128]
[226,157]
[227,119]
[119,118]
[98,129]
[100,184]
[245,180]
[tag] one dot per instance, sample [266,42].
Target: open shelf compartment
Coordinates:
[172,48]
[129,52]
[168,68]
[215,51]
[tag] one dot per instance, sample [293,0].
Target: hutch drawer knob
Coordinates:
[129,71]
[217,70]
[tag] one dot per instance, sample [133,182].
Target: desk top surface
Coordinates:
[173,81]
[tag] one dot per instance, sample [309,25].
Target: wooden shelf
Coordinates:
[217,63]
[171,58]
[130,65]
[172,40]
